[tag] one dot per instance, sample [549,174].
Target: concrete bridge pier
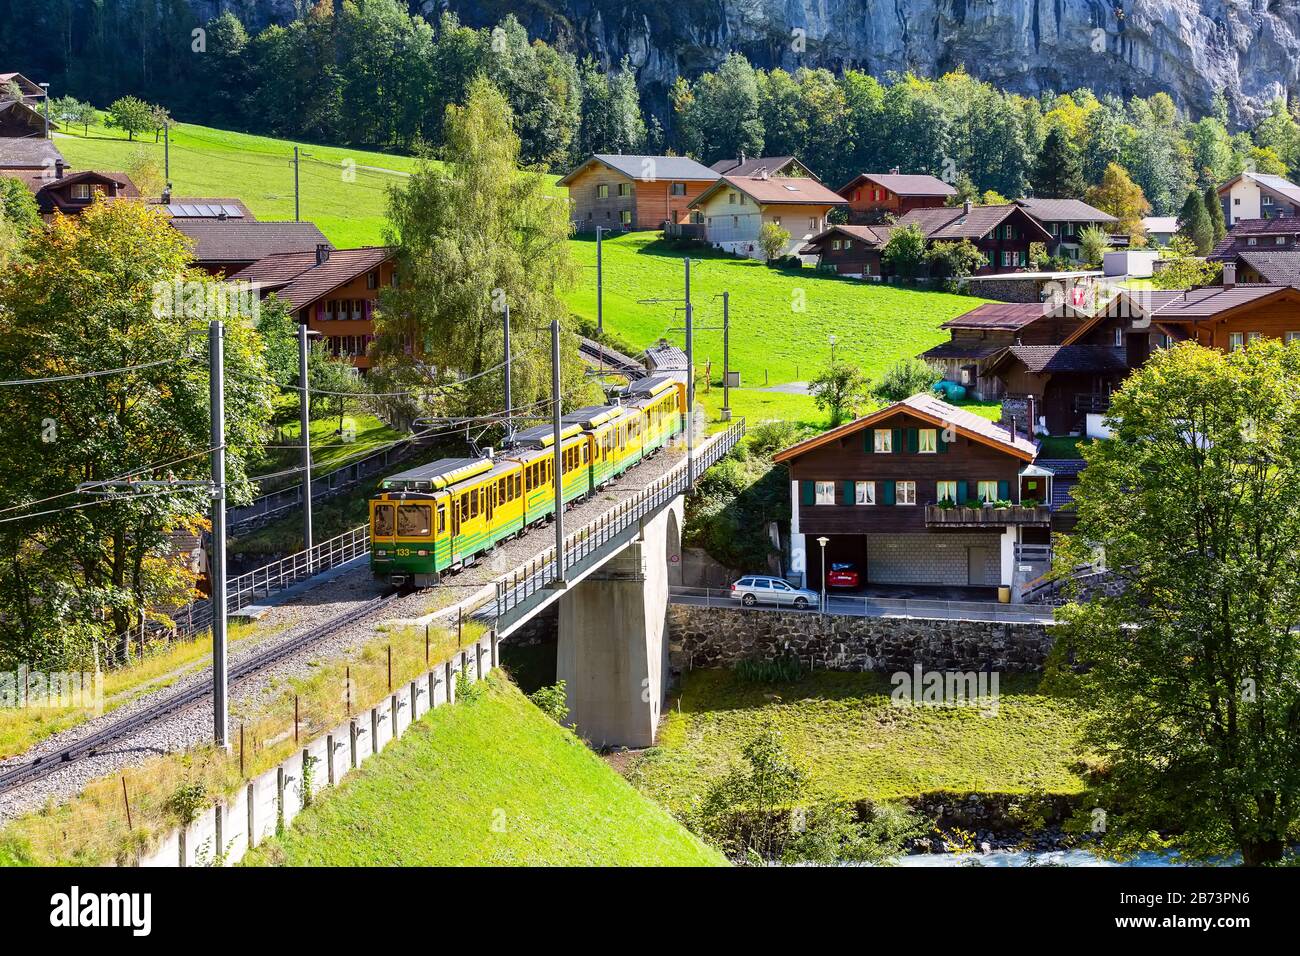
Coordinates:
[613,640]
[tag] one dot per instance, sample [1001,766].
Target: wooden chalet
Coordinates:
[634,192]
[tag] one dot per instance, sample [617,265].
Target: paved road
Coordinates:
[880,607]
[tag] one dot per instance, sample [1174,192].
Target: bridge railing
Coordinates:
[850,605]
[244,589]
[516,587]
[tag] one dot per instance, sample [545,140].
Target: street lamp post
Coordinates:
[832,341]
[823,541]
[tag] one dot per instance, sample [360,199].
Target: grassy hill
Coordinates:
[259,170]
[490,782]
[855,744]
[781,321]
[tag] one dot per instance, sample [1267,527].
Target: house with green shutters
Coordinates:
[920,493]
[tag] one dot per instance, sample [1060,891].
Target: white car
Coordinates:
[766,589]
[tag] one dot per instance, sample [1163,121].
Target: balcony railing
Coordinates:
[960,516]
[1091,402]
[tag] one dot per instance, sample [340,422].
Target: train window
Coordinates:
[383,519]
[519,479]
[464,508]
[501,490]
[414,520]
[442,519]
[473,503]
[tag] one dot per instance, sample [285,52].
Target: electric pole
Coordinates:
[217,565]
[304,418]
[559,581]
[505,319]
[690,381]
[46,88]
[295,185]
[600,284]
[167,155]
[726,356]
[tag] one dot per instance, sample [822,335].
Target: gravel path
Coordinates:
[284,622]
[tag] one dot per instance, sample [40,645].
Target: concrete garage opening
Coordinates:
[954,560]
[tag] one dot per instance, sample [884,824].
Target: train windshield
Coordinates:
[414,520]
[383,520]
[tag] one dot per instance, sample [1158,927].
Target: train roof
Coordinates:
[436,475]
[652,384]
[543,436]
[593,416]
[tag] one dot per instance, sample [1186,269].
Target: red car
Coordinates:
[842,575]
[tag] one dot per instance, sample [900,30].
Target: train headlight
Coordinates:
[422,553]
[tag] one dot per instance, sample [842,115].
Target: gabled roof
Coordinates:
[316,281]
[956,222]
[1277,268]
[34,117]
[647,168]
[29,87]
[1245,229]
[1218,302]
[902,184]
[228,241]
[1008,316]
[29,152]
[937,412]
[775,166]
[873,236]
[776,190]
[1066,358]
[1267,181]
[1064,210]
[47,190]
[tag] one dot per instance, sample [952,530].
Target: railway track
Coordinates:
[18,775]
[614,361]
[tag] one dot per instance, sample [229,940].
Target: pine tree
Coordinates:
[1057,173]
[1194,223]
[1215,209]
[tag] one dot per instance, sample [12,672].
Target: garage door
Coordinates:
[958,560]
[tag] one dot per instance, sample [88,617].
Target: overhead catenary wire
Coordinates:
[100,501]
[76,376]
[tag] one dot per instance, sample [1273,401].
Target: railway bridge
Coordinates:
[612,589]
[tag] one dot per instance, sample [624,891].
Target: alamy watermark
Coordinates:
[69,690]
[920,688]
[206,300]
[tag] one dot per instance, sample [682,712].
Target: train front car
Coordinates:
[409,538]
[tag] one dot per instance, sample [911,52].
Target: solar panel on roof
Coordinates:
[234,212]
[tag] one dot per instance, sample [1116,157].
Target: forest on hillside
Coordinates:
[373,75]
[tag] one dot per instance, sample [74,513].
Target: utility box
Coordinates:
[733,379]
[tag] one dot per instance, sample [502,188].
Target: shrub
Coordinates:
[778,670]
[552,701]
[905,378]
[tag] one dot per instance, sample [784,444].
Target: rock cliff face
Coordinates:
[1188,48]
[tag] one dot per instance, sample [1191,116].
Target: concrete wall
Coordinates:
[224,832]
[722,637]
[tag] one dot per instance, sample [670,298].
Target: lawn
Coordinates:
[488,782]
[855,744]
[330,450]
[343,191]
[780,320]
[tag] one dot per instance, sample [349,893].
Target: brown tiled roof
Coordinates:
[1246,228]
[228,241]
[341,267]
[278,270]
[903,184]
[873,236]
[1063,210]
[1213,301]
[647,168]
[1070,358]
[777,189]
[998,315]
[954,222]
[1277,268]
[47,202]
[932,408]
[963,350]
[748,167]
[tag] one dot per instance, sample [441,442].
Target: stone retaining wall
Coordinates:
[722,637]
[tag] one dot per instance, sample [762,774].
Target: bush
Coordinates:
[779,670]
[767,439]
[905,378]
[552,701]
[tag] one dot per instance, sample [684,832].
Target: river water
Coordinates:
[1001,858]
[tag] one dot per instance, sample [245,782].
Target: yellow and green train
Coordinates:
[436,517]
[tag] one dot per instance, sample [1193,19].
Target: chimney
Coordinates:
[166,194]
[966,207]
[1229,274]
[322,253]
[893,170]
